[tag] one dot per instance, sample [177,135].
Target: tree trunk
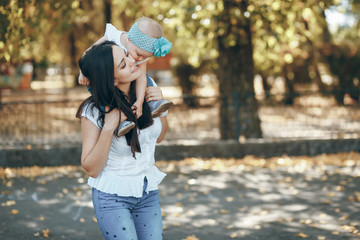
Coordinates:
[107,11]
[73,54]
[289,86]
[314,60]
[184,72]
[265,84]
[238,106]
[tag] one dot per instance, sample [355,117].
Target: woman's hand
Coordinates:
[153,94]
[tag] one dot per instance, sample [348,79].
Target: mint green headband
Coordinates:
[158,46]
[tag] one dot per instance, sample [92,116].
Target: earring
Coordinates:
[115,84]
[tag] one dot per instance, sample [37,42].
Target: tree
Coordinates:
[236,72]
[288,38]
[343,55]
[218,32]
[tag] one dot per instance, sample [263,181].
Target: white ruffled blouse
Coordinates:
[123,174]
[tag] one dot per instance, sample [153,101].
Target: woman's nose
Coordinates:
[131,60]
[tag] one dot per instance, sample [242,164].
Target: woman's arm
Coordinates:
[165,127]
[96,143]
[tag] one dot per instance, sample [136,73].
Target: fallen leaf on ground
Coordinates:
[192,237]
[14,211]
[46,233]
[303,235]
[8,203]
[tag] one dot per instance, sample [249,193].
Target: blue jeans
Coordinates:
[149,81]
[128,218]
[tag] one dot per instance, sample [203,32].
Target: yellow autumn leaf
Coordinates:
[65,190]
[357,196]
[303,235]
[233,235]
[14,211]
[8,203]
[229,199]
[192,237]
[344,217]
[224,211]
[330,194]
[179,204]
[351,199]
[46,233]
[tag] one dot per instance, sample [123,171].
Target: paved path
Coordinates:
[200,200]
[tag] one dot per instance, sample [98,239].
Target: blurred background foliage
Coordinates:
[234,39]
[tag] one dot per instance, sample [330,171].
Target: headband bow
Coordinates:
[158,46]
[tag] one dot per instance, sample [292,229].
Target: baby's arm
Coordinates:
[82,79]
[140,90]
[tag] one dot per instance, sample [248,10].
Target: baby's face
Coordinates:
[137,53]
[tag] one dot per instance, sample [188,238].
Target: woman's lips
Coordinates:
[135,69]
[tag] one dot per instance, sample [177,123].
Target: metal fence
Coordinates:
[42,123]
[39,123]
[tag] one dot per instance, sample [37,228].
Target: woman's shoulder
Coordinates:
[90,111]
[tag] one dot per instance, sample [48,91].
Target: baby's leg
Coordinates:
[157,107]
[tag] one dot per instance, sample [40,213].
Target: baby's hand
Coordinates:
[83,80]
[137,108]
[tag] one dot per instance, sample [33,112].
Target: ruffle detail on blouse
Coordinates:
[127,186]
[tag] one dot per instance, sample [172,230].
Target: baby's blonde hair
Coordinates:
[150,27]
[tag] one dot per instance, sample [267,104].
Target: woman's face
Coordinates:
[125,70]
[137,53]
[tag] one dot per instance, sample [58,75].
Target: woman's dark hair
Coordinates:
[97,65]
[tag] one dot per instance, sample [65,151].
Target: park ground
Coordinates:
[250,198]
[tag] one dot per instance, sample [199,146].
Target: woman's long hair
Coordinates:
[98,66]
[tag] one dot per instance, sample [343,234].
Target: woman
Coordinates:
[121,170]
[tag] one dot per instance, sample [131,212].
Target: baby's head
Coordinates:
[146,39]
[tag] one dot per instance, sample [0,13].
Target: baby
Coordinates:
[144,40]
